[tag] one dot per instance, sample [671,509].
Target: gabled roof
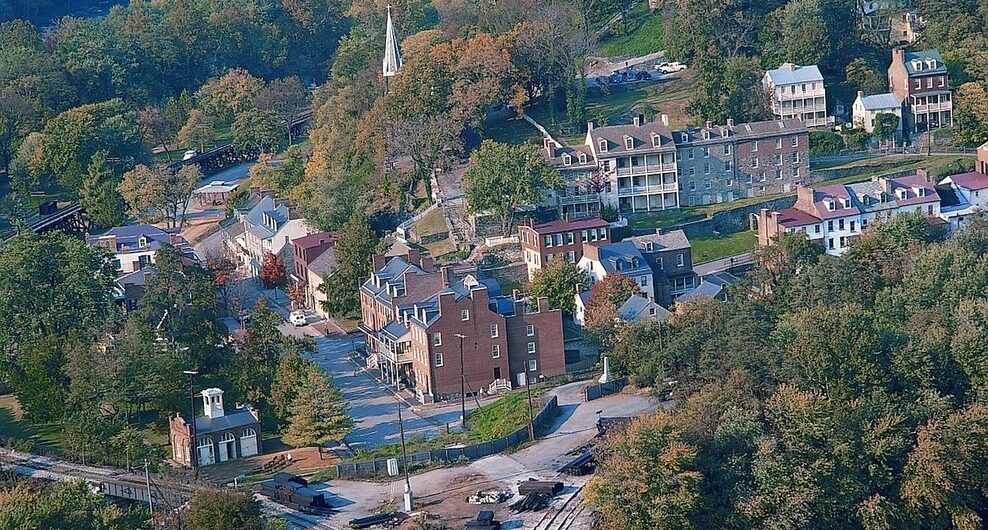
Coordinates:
[565,226]
[674,240]
[324,263]
[707,290]
[880,102]
[789,73]
[239,417]
[623,258]
[923,57]
[641,136]
[791,217]
[971,180]
[639,308]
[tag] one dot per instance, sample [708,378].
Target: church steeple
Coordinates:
[392,54]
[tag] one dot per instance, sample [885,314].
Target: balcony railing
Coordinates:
[645,169]
[933,107]
[643,190]
[578,199]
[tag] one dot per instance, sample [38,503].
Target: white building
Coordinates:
[135,246]
[797,92]
[967,196]
[267,225]
[867,108]
[622,258]
[835,216]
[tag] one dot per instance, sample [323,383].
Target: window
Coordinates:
[706,169]
[706,184]
[852,226]
[919,83]
[795,171]
[437,339]
[840,224]
[778,159]
[439,359]
[680,260]
[689,153]
[629,143]
[830,243]
[571,256]
[754,162]
[692,185]
[941,78]
[583,236]
[558,240]
[929,82]
[465,315]
[778,143]
[569,238]
[530,330]
[603,146]
[531,347]
[754,146]
[728,165]
[692,171]
[532,365]
[795,141]
[548,240]
[493,331]
[830,226]
[727,149]
[706,152]
[603,233]
[816,229]
[495,351]
[643,281]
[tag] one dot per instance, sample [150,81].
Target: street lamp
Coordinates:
[463,390]
[408,497]
[531,416]
[193,450]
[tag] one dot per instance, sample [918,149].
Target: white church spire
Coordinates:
[392,55]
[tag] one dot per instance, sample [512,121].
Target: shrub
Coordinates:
[825,143]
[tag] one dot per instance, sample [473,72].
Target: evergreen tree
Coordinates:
[318,411]
[99,195]
[354,247]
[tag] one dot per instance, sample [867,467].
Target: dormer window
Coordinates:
[603,145]
[931,64]
[567,160]
[142,242]
[830,205]
[845,202]
[706,135]
[649,247]
[725,132]
[921,192]
[634,262]
[900,193]
[656,140]
[685,137]
[917,65]
[583,158]
[629,142]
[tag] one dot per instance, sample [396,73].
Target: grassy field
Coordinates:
[646,36]
[18,431]
[709,248]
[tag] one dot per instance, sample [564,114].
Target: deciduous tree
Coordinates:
[559,281]
[272,270]
[159,194]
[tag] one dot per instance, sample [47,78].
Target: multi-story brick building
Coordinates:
[920,81]
[727,162]
[314,258]
[835,216]
[797,93]
[415,317]
[542,243]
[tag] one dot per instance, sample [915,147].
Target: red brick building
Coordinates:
[920,81]
[415,335]
[564,239]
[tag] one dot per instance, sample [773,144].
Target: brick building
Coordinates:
[220,435]
[414,317]
[727,162]
[920,81]
[670,256]
[313,258]
[542,243]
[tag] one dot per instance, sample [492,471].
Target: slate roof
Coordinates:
[880,102]
[324,263]
[641,134]
[623,258]
[574,152]
[231,419]
[923,56]
[266,208]
[791,217]
[705,291]
[674,240]
[392,274]
[789,73]
[637,308]
[740,131]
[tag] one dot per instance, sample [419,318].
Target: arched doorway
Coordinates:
[248,443]
[228,447]
[204,449]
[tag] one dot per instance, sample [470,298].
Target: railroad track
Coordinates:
[551,521]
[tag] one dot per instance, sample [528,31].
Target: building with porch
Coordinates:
[797,93]
[920,81]
[220,435]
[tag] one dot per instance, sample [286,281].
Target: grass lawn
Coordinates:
[667,96]
[19,431]
[511,131]
[709,248]
[647,36]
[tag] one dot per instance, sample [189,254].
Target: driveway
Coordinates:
[373,407]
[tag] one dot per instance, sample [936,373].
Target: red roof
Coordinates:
[313,240]
[563,226]
[972,180]
[791,217]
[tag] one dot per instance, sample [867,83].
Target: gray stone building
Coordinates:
[718,163]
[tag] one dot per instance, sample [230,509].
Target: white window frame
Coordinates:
[495,351]
[530,330]
[437,339]
[494,331]
[438,359]
[532,347]
[680,260]
[533,365]
[465,315]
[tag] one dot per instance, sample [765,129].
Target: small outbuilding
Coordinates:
[220,435]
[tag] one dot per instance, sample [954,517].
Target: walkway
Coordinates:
[723,264]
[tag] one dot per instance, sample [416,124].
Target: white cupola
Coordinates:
[212,403]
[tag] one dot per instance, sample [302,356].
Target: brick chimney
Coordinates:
[427,263]
[639,120]
[591,251]
[664,118]
[898,56]
[730,122]
[543,304]
[923,173]
[379,261]
[414,256]
[447,275]
[804,199]
[550,147]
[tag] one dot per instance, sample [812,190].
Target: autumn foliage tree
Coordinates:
[606,297]
[272,270]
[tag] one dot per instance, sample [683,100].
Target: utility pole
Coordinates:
[193,448]
[463,381]
[147,480]
[408,497]
[531,418]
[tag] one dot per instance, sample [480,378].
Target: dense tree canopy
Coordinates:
[848,394]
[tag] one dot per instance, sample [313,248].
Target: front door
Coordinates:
[497,373]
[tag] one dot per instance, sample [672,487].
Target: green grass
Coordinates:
[17,431]
[511,131]
[709,248]
[501,417]
[647,37]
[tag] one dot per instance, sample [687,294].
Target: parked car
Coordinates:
[297,318]
[189,154]
[616,78]
[669,68]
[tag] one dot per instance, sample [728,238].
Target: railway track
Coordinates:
[551,519]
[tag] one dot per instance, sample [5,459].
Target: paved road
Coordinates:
[724,264]
[372,406]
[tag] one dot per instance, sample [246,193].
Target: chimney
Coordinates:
[447,274]
[414,255]
[923,173]
[665,119]
[543,304]
[426,263]
[589,126]
[378,261]
[550,147]
[898,55]
[709,124]
[515,295]
[591,251]
[658,231]
[730,122]
[566,217]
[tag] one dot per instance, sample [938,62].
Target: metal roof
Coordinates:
[880,102]
[789,74]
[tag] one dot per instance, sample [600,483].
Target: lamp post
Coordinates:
[193,449]
[531,415]
[463,390]
[407,497]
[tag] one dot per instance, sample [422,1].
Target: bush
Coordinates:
[857,139]
[609,214]
[825,143]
